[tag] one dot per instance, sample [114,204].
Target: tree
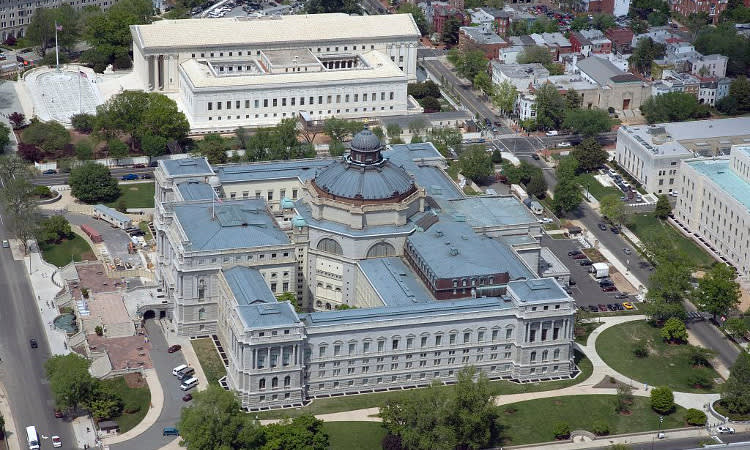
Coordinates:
[214,147]
[739,90]
[450,30]
[17,119]
[644,54]
[567,168]
[662,400]
[48,136]
[84,150]
[70,381]
[695,417]
[663,207]
[417,14]
[674,331]
[638,26]
[394,131]
[117,149]
[427,88]
[93,183]
[108,32]
[333,6]
[41,30]
[724,40]
[717,292]
[550,107]
[445,138]
[162,118]
[476,163]
[736,327]
[604,22]
[497,156]
[535,54]
[588,122]
[673,107]
[589,154]
[416,126]
[580,23]
[104,403]
[215,421]
[624,398]
[537,186]
[340,130]
[83,122]
[4,137]
[567,196]
[700,356]
[504,97]
[469,64]
[55,229]
[483,82]
[735,392]
[301,433]
[153,145]
[573,99]
[613,208]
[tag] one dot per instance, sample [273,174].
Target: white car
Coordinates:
[552,133]
[725,430]
[545,220]
[56,441]
[6,244]
[564,144]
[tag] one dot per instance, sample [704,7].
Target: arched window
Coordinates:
[262,383]
[201,289]
[328,306]
[202,314]
[381,250]
[545,354]
[274,382]
[330,246]
[318,303]
[533,357]
[287,381]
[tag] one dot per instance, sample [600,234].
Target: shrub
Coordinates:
[561,430]
[600,428]
[391,442]
[42,192]
[695,417]
[17,119]
[662,400]
[674,330]
[85,292]
[700,379]
[99,330]
[83,122]
[640,350]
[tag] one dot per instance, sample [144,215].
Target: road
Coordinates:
[22,368]
[62,178]
[689,443]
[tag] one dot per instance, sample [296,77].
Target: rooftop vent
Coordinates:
[453,251]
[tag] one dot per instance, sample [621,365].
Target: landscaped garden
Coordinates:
[60,254]
[135,195]
[209,358]
[534,420]
[595,188]
[136,399]
[354,435]
[643,225]
[637,350]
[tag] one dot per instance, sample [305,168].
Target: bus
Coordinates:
[32,438]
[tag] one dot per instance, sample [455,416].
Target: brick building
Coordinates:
[476,38]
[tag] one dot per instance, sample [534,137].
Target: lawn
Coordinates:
[642,225]
[143,225]
[354,435]
[666,365]
[582,333]
[595,187]
[209,358]
[135,195]
[362,401]
[61,254]
[136,400]
[532,421]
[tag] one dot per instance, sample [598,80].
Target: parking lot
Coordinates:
[115,239]
[586,290]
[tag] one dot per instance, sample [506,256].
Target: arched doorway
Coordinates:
[150,314]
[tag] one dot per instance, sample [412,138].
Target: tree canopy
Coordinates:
[93,183]
[108,33]
[505,96]
[468,64]
[738,100]
[476,163]
[588,122]
[589,154]
[718,292]
[735,392]
[333,6]
[724,40]
[70,381]
[673,107]
[550,107]
[613,208]
[644,54]
[663,207]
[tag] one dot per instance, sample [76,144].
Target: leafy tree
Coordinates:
[695,22]
[604,22]
[550,107]
[108,33]
[48,136]
[301,433]
[580,23]
[674,330]
[84,150]
[600,427]
[69,379]
[561,430]
[416,126]
[336,149]
[427,88]
[701,379]
[504,97]
[624,398]
[417,14]
[590,154]
[613,208]
[588,122]
[695,417]
[445,138]
[483,82]
[83,122]
[215,421]
[717,291]
[340,130]
[93,183]
[104,403]
[537,186]
[642,8]
[700,356]
[739,91]
[430,104]
[117,149]
[153,145]
[662,400]
[162,118]
[41,30]
[55,229]
[657,18]
[497,156]
[4,137]
[214,147]
[573,99]
[469,64]
[450,30]
[394,131]
[725,40]
[673,107]
[333,6]
[644,54]
[476,163]
[17,119]
[735,392]
[567,168]
[567,196]
[535,54]
[663,207]
[736,327]
[544,25]
[519,28]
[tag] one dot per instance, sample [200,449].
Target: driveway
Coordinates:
[170,414]
[115,239]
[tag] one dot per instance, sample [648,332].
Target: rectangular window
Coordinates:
[423,342]
[265,103]
[237,104]
[218,106]
[467,337]
[508,333]
[336,350]
[352,348]
[229,104]
[394,344]
[247,104]
[275,102]
[365,347]
[409,343]
[210,106]
[438,340]
[381,346]
[364,97]
[283,101]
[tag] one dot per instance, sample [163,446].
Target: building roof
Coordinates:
[248,285]
[268,315]
[186,167]
[496,211]
[598,69]
[538,290]
[521,71]
[303,210]
[113,213]
[304,169]
[231,224]
[378,66]
[394,281]
[481,36]
[195,190]
[718,171]
[432,119]
[452,249]
[344,180]
[434,181]
[279,31]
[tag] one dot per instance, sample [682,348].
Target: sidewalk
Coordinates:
[157,402]
[11,434]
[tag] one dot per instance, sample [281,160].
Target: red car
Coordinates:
[58,414]
[581,256]
[609,289]
[174,348]
[187,397]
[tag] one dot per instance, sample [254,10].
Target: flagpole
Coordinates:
[80,106]
[57,54]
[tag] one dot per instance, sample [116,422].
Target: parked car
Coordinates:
[147,176]
[139,166]
[611,307]
[174,348]
[545,220]
[725,429]
[627,251]
[129,177]
[619,306]
[564,144]
[571,282]
[552,133]
[621,295]
[593,308]
[49,172]
[581,256]
[56,442]
[169,431]
[609,289]
[6,244]
[574,252]
[602,307]
[187,397]
[585,262]
[628,305]
[602,226]
[59,414]
[615,230]
[33,343]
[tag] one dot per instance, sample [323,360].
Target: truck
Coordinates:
[599,270]
[92,233]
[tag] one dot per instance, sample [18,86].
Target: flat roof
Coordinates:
[521,71]
[248,285]
[482,211]
[719,172]
[186,166]
[303,169]
[115,214]
[435,182]
[268,315]
[195,190]
[537,290]
[291,30]
[452,249]
[380,67]
[394,281]
[686,131]
[231,224]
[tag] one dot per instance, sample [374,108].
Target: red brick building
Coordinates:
[621,39]
[475,38]
[441,13]
[714,8]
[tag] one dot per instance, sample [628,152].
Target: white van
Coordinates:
[189,384]
[177,371]
[32,438]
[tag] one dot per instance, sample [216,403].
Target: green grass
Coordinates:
[582,333]
[143,225]
[596,189]
[354,435]
[667,365]
[362,401]
[135,195]
[133,399]
[468,190]
[209,358]
[643,225]
[533,420]
[60,254]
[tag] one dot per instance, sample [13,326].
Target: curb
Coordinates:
[157,403]
[11,436]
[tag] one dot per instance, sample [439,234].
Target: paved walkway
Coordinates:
[12,437]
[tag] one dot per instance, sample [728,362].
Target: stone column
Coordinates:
[150,71]
[255,359]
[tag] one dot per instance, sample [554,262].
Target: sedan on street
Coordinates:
[174,348]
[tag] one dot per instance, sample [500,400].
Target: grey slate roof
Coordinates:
[195,190]
[539,290]
[474,254]
[248,286]
[237,224]
[268,315]
[394,281]
[185,167]
[303,210]
[599,69]
[432,179]
[304,169]
[490,211]
[371,182]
